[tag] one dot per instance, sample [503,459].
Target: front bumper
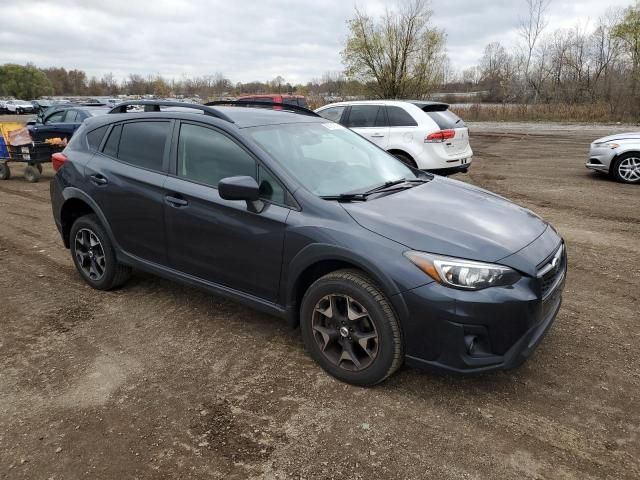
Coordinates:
[460,331]
[600,158]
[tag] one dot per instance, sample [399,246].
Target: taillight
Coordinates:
[57,160]
[441,136]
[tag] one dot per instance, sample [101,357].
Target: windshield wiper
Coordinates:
[389,186]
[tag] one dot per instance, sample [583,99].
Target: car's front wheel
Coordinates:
[626,168]
[94,256]
[350,328]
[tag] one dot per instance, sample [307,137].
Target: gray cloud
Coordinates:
[244,40]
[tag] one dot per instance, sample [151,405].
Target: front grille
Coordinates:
[552,271]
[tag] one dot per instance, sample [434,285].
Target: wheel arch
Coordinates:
[316,261]
[393,151]
[77,204]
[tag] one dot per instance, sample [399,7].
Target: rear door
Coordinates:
[222,241]
[127,179]
[370,122]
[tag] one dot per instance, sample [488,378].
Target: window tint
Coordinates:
[270,188]
[399,117]
[56,117]
[207,156]
[72,116]
[332,114]
[366,116]
[94,137]
[446,119]
[111,147]
[142,144]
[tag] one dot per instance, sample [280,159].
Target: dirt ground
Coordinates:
[158,380]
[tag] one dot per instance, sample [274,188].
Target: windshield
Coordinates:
[329,159]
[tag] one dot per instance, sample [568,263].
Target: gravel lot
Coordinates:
[158,380]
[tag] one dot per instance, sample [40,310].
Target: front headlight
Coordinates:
[612,146]
[459,273]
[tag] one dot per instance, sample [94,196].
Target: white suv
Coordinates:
[425,135]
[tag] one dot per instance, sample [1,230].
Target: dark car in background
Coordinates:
[61,121]
[377,262]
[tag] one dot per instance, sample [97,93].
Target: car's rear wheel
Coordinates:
[350,328]
[94,256]
[626,168]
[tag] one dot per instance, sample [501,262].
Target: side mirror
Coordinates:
[239,188]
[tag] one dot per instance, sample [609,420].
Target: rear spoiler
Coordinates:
[432,107]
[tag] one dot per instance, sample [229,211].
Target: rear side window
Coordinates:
[334,113]
[111,147]
[362,116]
[207,156]
[142,144]
[446,119]
[94,137]
[399,117]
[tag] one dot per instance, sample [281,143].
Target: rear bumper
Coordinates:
[461,168]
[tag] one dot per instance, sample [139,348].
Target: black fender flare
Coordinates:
[318,252]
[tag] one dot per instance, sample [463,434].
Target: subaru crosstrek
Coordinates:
[377,262]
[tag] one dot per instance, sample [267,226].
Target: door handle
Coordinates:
[98,179]
[377,135]
[175,201]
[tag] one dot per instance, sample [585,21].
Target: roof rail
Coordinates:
[154,106]
[251,103]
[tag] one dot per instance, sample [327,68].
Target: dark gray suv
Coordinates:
[378,263]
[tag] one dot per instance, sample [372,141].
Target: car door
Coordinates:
[370,122]
[226,242]
[126,179]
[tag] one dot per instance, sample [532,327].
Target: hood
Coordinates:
[452,218]
[619,136]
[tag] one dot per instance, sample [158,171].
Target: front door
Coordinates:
[221,241]
[370,122]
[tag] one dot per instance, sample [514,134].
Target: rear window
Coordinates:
[399,117]
[446,119]
[94,137]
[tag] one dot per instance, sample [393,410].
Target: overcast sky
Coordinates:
[245,40]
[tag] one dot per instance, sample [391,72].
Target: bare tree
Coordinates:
[398,55]
[531,28]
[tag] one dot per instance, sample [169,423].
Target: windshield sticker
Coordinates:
[332,126]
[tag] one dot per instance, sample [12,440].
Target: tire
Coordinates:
[626,168]
[406,159]
[31,174]
[5,171]
[18,111]
[87,256]
[348,299]
[39,167]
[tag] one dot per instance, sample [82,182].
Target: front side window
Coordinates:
[142,144]
[71,116]
[56,117]
[334,113]
[207,156]
[327,158]
[363,116]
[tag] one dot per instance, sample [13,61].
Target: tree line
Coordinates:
[402,54]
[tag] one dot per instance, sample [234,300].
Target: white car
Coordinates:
[425,135]
[19,107]
[617,155]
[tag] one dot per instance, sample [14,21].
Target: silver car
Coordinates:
[618,155]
